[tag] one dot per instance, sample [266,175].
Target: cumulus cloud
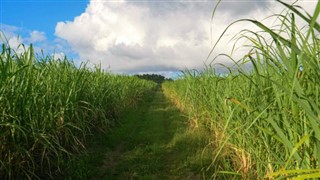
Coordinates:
[14,43]
[132,36]
[13,35]
[7,31]
[143,36]
[16,36]
[36,36]
[8,35]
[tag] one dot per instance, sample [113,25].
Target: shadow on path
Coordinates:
[153,141]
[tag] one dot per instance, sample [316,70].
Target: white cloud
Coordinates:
[15,37]
[7,31]
[15,42]
[59,55]
[131,37]
[36,36]
[134,36]
[8,36]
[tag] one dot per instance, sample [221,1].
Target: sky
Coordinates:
[133,36]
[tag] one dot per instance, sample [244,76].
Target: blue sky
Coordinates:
[40,15]
[34,19]
[133,36]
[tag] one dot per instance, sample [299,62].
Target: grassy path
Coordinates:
[153,141]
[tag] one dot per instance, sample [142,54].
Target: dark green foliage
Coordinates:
[159,79]
[266,119]
[48,107]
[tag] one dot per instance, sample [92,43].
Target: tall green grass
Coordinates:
[49,107]
[265,121]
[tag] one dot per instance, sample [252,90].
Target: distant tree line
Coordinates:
[154,77]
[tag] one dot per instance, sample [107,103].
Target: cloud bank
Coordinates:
[16,36]
[145,36]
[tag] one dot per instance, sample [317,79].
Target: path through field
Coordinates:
[153,141]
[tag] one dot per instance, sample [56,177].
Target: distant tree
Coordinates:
[153,77]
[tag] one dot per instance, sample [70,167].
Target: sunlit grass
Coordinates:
[48,107]
[265,121]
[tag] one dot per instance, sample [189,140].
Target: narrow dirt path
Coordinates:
[153,141]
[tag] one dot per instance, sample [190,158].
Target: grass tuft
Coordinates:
[49,107]
[265,120]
